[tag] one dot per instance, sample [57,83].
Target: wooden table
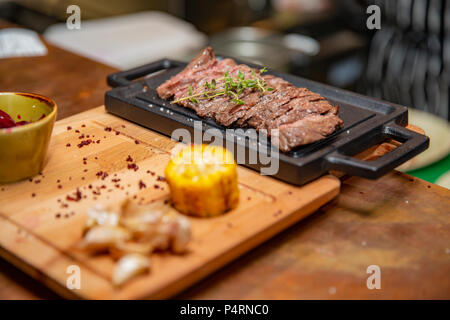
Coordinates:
[398,222]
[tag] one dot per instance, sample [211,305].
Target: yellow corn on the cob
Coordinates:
[203,180]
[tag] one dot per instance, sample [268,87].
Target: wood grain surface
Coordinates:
[42,219]
[401,222]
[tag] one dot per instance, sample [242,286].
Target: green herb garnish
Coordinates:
[232,87]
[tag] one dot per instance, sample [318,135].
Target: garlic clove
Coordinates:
[182,235]
[100,238]
[130,266]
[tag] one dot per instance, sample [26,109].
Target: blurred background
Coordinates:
[406,61]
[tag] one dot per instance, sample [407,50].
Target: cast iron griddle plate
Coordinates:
[367,122]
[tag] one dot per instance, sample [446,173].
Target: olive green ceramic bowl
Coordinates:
[23,149]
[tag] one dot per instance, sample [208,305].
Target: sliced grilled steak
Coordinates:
[293,116]
[305,131]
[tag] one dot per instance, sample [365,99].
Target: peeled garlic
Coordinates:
[98,215]
[130,266]
[179,230]
[101,238]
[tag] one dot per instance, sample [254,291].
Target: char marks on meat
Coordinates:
[292,116]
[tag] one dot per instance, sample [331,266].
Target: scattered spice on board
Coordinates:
[76,197]
[133,166]
[84,143]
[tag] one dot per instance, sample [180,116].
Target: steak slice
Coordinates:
[292,116]
[306,130]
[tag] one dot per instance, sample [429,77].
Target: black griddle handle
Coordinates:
[413,144]
[124,78]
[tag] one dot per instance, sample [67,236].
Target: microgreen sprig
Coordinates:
[232,87]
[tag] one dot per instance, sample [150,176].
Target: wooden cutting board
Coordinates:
[40,226]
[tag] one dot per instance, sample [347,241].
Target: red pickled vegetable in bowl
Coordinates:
[7,122]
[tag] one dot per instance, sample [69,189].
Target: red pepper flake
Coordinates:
[88,136]
[117,133]
[166,201]
[135,196]
[142,185]
[117,186]
[58,215]
[156,186]
[58,181]
[33,194]
[135,141]
[133,166]
[129,158]
[82,178]
[160,178]
[83,126]
[84,143]
[123,126]
[103,187]
[76,197]
[108,129]
[102,174]
[68,145]
[115,180]
[81,137]
[31,179]
[85,170]
[19,117]
[59,186]
[64,205]
[90,186]
[98,141]
[69,128]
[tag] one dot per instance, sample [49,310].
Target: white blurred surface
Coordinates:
[16,42]
[131,40]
